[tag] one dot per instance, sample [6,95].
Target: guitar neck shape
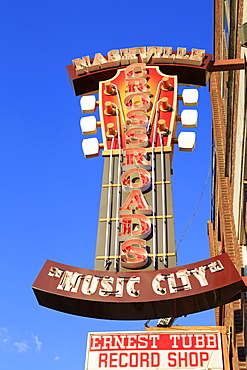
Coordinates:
[138,110]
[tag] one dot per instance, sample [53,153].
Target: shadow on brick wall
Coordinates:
[241,354]
[238,321]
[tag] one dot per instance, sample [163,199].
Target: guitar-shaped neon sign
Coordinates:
[135,275]
[138,113]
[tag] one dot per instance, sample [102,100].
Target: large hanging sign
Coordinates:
[139,295]
[149,350]
[135,274]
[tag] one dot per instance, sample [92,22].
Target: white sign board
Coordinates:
[149,350]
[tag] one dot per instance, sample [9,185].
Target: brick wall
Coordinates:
[222,234]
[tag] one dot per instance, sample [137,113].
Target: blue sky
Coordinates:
[46,212]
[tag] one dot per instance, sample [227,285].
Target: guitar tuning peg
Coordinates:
[165,83]
[90,147]
[88,125]
[88,104]
[162,128]
[110,110]
[190,97]
[111,130]
[189,118]
[186,141]
[164,106]
[109,88]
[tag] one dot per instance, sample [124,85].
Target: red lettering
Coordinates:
[134,253]
[193,359]
[137,85]
[182,357]
[136,157]
[203,357]
[137,70]
[172,359]
[144,360]
[103,360]
[187,359]
[137,101]
[121,363]
[136,201]
[155,359]
[136,137]
[133,359]
[112,359]
[134,225]
[135,178]
[137,118]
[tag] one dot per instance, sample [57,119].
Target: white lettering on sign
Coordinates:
[106,284]
[194,341]
[70,281]
[157,55]
[90,284]
[199,273]
[161,284]
[124,341]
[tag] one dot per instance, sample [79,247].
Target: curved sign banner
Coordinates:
[191,67]
[139,295]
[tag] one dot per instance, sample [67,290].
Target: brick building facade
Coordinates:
[228,226]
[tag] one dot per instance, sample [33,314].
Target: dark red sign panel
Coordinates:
[189,71]
[170,292]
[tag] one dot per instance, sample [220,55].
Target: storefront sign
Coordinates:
[150,350]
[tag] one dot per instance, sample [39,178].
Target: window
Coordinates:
[226,22]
